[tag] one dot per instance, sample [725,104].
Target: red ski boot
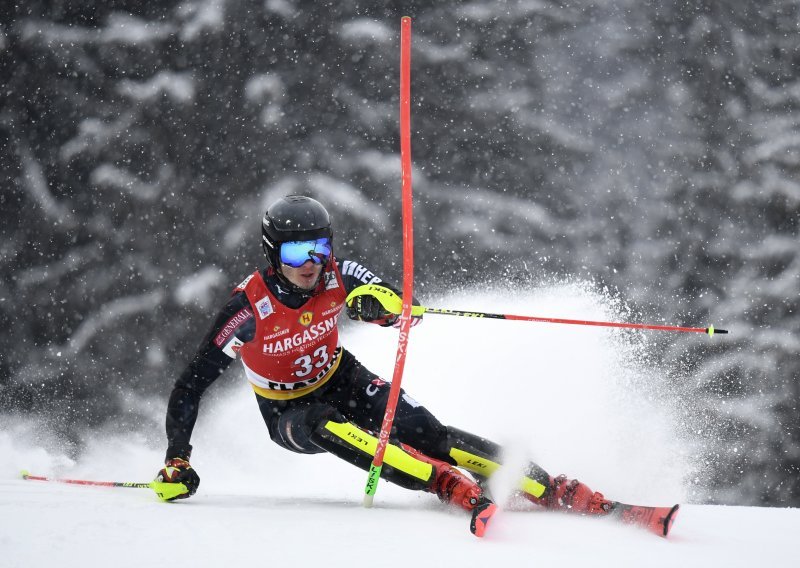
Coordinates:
[573,496]
[453,486]
[449,483]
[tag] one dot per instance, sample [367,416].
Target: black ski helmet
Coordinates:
[293,218]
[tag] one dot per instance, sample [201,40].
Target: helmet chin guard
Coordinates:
[294,218]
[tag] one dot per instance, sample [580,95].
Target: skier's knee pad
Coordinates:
[356,446]
[416,426]
[413,424]
[293,427]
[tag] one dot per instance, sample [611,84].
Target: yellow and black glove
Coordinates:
[379,304]
[178,470]
[368,308]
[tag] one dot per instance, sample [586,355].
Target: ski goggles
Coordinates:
[297,253]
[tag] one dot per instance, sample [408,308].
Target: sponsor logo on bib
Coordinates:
[264,307]
[330,281]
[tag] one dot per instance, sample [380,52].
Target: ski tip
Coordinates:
[481,515]
[669,519]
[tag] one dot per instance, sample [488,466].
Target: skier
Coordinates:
[316,397]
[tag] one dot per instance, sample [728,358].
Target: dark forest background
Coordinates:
[652,147]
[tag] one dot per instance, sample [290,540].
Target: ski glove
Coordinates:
[178,470]
[368,308]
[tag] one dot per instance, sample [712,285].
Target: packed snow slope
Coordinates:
[577,400]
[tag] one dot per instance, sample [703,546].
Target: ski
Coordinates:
[481,515]
[657,520]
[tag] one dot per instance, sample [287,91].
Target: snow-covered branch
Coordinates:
[34,181]
[107,314]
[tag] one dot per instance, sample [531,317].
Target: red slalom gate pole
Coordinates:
[408,260]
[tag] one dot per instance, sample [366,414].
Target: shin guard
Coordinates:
[356,446]
[481,457]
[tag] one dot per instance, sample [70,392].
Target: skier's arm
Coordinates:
[233,327]
[368,308]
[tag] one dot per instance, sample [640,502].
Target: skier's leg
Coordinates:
[361,397]
[313,426]
[288,423]
[482,457]
[402,464]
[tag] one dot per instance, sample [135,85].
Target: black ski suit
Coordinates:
[352,395]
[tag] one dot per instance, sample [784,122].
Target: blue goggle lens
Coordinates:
[297,253]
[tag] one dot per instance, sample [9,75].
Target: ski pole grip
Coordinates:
[390,301]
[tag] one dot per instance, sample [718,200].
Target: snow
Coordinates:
[108,313]
[201,287]
[123,29]
[112,177]
[472,204]
[179,87]
[207,16]
[283,8]
[129,30]
[94,134]
[781,148]
[264,86]
[580,401]
[365,31]
[35,182]
[98,527]
[341,199]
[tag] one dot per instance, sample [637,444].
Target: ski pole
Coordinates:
[708,330]
[165,491]
[408,261]
[392,303]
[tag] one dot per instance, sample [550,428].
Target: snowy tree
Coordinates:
[651,147]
